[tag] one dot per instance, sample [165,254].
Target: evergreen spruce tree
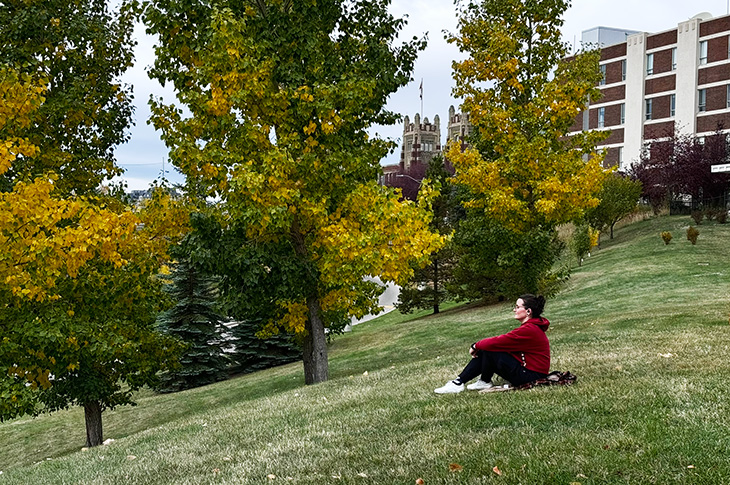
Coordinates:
[194,319]
[220,249]
[253,353]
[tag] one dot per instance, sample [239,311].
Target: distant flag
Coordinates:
[421,88]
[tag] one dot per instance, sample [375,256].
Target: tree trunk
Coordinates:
[315,342]
[94,434]
[315,346]
[435,285]
[612,229]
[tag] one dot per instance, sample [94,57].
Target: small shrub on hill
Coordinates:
[697,216]
[710,213]
[666,236]
[722,216]
[581,242]
[692,234]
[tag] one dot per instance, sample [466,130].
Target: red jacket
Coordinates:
[526,343]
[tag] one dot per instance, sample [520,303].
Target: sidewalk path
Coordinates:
[387,300]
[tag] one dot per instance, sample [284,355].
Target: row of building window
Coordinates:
[703,51]
[702,107]
[602,82]
[702,98]
[425,147]
[650,62]
[701,103]
[672,106]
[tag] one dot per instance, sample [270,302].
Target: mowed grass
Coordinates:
[643,325]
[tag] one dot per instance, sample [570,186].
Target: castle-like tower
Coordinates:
[459,127]
[421,142]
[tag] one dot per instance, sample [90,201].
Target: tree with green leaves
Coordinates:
[429,286]
[279,96]
[79,329]
[77,268]
[580,243]
[217,251]
[619,197]
[194,319]
[495,263]
[522,93]
[78,49]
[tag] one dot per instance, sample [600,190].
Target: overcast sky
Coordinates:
[143,156]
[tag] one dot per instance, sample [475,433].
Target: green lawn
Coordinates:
[643,325]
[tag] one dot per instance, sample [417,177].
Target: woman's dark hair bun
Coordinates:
[536,303]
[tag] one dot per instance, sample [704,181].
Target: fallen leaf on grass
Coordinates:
[666,356]
[361,474]
[365,373]
[690,466]
[271,476]
[131,457]
[455,467]
[497,471]
[418,482]
[580,475]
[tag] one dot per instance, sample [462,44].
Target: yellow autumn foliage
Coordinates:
[523,100]
[44,238]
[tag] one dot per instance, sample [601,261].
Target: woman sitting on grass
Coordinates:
[519,356]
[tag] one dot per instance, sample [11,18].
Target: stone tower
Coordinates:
[421,142]
[459,127]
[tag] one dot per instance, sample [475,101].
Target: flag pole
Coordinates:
[421,88]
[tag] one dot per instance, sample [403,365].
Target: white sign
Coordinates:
[725,167]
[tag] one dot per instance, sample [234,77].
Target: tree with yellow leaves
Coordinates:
[280,97]
[524,169]
[523,93]
[78,292]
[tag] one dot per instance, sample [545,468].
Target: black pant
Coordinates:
[503,364]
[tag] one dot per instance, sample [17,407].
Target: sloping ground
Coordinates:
[643,325]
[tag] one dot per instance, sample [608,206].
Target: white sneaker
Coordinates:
[480,385]
[449,388]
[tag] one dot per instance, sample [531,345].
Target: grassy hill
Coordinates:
[643,325]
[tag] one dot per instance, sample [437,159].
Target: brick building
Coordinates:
[656,83]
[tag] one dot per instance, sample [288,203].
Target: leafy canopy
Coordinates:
[77,287]
[619,197]
[280,96]
[77,50]
[522,94]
